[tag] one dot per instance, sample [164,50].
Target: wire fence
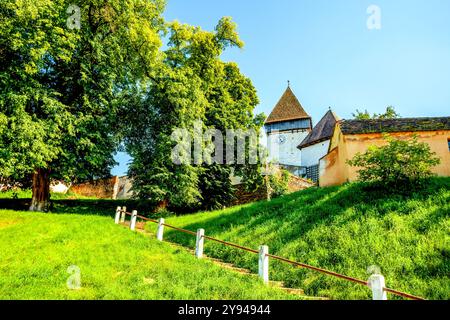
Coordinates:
[376,283]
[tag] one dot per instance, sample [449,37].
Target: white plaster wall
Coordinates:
[286,153]
[312,154]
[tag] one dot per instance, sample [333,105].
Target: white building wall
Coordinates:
[287,152]
[312,154]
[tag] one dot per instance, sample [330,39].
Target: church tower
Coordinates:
[286,127]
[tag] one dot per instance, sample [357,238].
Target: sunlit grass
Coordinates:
[344,229]
[36,250]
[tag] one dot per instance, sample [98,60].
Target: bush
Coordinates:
[279,183]
[398,163]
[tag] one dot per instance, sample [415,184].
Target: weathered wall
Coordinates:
[244,197]
[331,170]
[298,184]
[335,170]
[311,155]
[286,153]
[101,189]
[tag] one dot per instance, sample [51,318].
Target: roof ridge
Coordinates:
[394,125]
[322,131]
[288,108]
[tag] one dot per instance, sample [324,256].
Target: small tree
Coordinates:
[398,163]
[389,114]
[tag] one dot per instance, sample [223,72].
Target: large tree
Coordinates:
[197,85]
[66,69]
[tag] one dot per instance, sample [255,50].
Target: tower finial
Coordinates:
[289,84]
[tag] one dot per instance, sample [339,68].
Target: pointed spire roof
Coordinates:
[322,131]
[287,109]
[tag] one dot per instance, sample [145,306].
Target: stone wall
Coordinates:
[244,197]
[100,189]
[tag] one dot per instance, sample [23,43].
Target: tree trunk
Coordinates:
[41,190]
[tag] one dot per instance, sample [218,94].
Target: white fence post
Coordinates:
[122,218]
[377,284]
[117,219]
[133,220]
[199,244]
[263,263]
[160,232]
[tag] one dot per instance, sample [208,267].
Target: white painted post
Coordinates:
[377,284]
[199,244]
[133,220]
[117,219]
[160,232]
[122,218]
[263,263]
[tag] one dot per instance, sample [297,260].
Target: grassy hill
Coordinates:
[344,229]
[115,263]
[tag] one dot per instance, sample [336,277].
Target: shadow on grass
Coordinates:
[83,207]
[294,215]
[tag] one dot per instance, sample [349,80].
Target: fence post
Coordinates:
[122,218]
[199,244]
[117,219]
[133,220]
[160,232]
[377,284]
[263,263]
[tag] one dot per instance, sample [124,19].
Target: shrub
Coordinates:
[398,163]
[279,183]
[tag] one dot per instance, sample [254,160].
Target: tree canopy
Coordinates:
[195,85]
[389,114]
[62,86]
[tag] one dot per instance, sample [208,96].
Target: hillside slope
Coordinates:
[115,263]
[343,229]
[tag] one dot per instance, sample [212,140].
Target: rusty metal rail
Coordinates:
[179,229]
[231,244]
[403,294]
[331,273]
[294,263]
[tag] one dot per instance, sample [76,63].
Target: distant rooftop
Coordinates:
[287,109]
[322,131]
[349,127]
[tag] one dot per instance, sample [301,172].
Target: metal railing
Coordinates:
[376,283]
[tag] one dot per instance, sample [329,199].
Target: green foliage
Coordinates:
[389,114]
[278,183]
[343,229]
[399,163]
[62,89]
[215,187]
[109,269]
[194,84]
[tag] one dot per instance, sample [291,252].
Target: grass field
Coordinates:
[344,229]
[37,249]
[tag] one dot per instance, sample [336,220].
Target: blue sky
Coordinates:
[330,56]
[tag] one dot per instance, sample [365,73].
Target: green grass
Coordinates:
[26,194]
[36,250]
[344,229]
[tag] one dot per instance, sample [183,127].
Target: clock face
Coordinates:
[281,139]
